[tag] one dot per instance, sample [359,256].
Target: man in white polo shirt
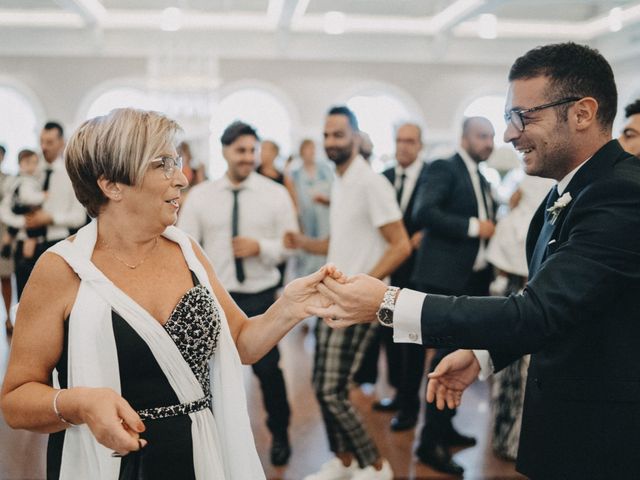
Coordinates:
[367,235]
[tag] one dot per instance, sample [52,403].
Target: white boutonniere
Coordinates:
[558,206]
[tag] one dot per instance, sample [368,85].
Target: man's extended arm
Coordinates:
[397,251]
[575,284]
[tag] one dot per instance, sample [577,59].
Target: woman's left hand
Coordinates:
[303,292]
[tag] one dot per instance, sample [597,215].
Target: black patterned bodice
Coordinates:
[194,327]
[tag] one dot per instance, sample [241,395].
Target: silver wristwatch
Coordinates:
[388,305]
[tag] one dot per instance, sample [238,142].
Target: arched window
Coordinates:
[260,109]
[379,114]
[18,126]
[120,97]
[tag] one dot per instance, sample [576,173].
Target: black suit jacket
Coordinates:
[579,316]
[402,276]
[445,203]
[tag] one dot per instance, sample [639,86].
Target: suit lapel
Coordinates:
[412,198]
[464,173]
[390,173]
[601,162]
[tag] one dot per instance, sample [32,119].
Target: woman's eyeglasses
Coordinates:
[169,165]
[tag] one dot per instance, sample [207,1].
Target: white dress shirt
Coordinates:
[362,201]
[407,317]
[412,173]
[61,203]
[480,262]
[265,213]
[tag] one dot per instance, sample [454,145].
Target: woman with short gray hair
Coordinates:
[130,320]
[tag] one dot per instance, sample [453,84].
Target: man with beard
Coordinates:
[367,235]
[455,208]
[240,220]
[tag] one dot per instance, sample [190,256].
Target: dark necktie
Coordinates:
[545,234]
[234,233]
[400,190]
[483,193]
[47,179]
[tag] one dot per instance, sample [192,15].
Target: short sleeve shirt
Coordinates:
[362,201]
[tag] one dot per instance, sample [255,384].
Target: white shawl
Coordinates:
[223,445]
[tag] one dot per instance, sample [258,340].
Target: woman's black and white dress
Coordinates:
[181,377]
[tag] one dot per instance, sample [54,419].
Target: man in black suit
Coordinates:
[455,208]
[405,362]
[578,315]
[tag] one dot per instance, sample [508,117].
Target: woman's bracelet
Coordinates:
[57,412]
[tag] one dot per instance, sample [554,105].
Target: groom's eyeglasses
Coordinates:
[517,116]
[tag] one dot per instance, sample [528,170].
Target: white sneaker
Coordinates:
[334,470]
[370,472]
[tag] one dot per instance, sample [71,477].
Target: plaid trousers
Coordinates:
[338,355]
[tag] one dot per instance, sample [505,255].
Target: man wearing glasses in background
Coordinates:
[630,137]
[578,315]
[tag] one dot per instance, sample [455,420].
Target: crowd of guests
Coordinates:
[433,227]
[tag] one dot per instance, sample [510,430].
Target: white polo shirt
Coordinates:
[362,201]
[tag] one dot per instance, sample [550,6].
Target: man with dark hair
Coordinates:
[343,110]
[3,152]
[630,137]
[61,212]
[578,314]
[242,235]
[367,235]
[54,126]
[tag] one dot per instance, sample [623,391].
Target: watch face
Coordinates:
[385,315]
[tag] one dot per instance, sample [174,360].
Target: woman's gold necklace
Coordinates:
[136,265]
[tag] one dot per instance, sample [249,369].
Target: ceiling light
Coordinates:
[334,23]
[615,19]
[487,26]
[171,19]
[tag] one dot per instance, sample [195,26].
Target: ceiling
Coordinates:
[446,31]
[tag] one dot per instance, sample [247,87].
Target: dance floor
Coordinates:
[22,454]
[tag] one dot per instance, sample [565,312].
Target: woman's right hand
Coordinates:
[110,418]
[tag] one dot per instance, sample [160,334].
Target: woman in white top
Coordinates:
[129,323]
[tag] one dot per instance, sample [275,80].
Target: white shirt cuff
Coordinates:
[271,251]
[486,365]
[407,316]
[474,227]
